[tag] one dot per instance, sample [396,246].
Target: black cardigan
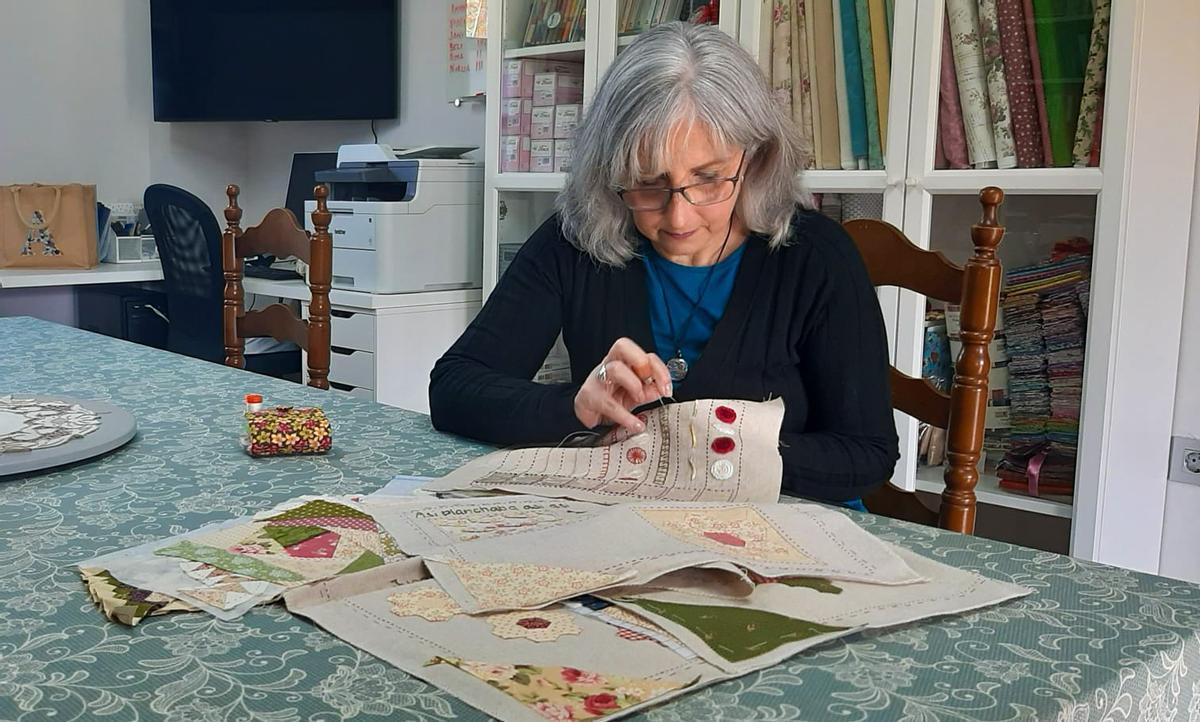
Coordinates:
[802,322]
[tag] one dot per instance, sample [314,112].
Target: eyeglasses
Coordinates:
[704,193]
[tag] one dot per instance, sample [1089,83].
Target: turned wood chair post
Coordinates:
[969,392]
[231,263]
[320,275]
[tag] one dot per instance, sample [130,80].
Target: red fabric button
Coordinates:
[723,445]
[725,414]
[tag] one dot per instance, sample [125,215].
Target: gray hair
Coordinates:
[678,73]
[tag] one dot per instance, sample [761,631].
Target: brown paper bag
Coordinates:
[48,226]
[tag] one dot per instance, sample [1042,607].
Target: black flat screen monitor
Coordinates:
[222,60]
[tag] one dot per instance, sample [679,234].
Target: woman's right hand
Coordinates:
[627,378]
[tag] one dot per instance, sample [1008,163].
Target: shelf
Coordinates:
[1056,181]
[988,491]
[845,181]
[557,51]
[552,182]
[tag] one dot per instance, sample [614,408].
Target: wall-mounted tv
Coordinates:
[220,60]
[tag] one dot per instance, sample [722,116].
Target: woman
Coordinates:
[681,264]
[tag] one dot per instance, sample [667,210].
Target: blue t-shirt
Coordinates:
[674,288]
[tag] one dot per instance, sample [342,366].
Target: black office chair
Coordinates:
[189,246]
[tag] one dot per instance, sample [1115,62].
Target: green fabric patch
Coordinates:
[736,633]
[289,535]
[230,562]
[368,560]
[321,507]
[824,586]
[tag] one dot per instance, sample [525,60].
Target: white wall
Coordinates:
[1181,539]
[78,108]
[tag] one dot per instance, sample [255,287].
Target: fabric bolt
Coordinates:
[950,115]
[825,78]
[1039,85]
[870,97]
[855,91]
[1023,94]
[997,84]
[847,161]
[809,67]
[972,81]
[1063,38]
[802,104]
[1093,86]
[881,50]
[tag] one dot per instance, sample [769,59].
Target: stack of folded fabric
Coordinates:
[1045,309]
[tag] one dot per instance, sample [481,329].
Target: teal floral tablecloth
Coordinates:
[1092,643]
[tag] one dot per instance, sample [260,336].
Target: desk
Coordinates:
[103,273]
[1092,640]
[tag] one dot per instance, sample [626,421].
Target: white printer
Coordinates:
[404,222]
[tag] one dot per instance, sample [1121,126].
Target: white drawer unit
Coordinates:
[385,345]
[352,329]
[353,368]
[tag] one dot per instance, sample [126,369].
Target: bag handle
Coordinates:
[47,219]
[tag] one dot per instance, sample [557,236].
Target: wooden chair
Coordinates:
[893,260]
[280,235]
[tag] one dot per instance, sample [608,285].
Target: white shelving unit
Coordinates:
[1136,210]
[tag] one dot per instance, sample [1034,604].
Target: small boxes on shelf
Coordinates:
[541,126]
[516,79]
[555,88]
[566,119]
[514,154]
[515,114]
[563,150]
[541,156]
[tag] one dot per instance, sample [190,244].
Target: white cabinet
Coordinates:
[1133,207]
[385,345]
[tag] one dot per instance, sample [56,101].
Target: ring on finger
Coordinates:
[602,373]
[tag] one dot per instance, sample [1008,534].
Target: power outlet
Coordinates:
[1185,460]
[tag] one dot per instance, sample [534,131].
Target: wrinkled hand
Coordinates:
[631,377]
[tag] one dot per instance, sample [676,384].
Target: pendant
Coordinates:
[677,366]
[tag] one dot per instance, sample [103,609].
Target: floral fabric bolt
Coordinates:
[286,430]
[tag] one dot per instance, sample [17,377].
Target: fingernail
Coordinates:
[639,427]
[670,390]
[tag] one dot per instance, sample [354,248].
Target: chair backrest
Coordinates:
[279,235]
[189,247]
[893,260]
